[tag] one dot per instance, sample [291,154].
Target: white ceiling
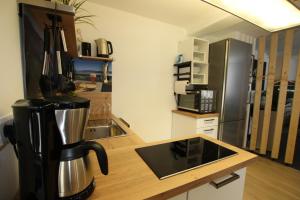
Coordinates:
[191,15]
[195,16]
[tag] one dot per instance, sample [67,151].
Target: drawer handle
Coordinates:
[209,129]
[209,120]
[233,177]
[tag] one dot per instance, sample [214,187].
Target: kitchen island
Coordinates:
[131,178]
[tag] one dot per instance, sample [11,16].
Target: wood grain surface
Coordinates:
[259,77]
[288,44]
[269,180]
[294,121]
[269,95]
[98,100]
[195,115]
[130,177]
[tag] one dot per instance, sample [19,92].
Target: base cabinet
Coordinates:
[182,196]
[230,190]
[183,125]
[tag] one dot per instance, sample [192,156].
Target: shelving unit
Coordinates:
[195,73]
[195,53]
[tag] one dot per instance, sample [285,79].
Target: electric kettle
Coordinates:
[104,47]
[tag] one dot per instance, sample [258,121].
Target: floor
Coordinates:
[269,180]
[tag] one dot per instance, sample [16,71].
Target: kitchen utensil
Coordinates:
[86,48]
[104,48]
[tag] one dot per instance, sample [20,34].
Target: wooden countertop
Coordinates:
[131,178]
[195,115]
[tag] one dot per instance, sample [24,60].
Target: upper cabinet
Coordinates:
[196,50]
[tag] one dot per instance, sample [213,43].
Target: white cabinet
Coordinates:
[231,191]
[186,124]
[196,50]
[230,187]
[182,196]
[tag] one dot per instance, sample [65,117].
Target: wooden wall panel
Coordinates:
[288,43]
[269,95]
[259,77]
[293,129]
[97,102]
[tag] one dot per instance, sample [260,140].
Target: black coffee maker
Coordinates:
[54,160]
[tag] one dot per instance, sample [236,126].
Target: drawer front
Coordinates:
[211,121]
[211,131]
[231,190]
[182,196]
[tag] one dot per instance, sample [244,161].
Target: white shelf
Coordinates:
[200,63]
[196,50]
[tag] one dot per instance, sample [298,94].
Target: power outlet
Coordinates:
[4,120]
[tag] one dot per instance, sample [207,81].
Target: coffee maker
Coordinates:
[54,159]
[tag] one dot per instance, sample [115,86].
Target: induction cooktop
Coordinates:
[176,157]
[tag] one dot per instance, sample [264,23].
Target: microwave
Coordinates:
[202,101]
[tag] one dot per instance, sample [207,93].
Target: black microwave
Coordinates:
[202,101]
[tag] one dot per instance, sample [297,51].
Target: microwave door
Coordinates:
[188,102]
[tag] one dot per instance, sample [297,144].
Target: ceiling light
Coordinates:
[272,15]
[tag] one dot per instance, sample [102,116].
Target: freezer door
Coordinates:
[232,132]
[236,81]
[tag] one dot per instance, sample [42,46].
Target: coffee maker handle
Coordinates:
[109,44]
[10,133]
[101,155]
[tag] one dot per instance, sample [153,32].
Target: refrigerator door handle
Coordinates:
[224,81]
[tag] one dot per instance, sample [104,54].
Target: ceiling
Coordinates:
[191,15]
[195,16]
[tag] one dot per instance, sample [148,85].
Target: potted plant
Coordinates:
[81,15]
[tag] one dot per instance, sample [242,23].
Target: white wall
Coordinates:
[11,89]
[144,53]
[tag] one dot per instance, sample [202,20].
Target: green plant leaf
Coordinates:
[79,4]
[82,21]
[84,17]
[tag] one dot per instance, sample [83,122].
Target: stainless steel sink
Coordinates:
[98,131]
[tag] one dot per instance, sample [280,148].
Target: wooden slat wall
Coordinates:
[259,77]
[269,95]
[288,43]
[293,129]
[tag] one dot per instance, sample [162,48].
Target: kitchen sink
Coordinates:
[97,130]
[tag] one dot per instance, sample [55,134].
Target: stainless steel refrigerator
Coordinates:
[229,71]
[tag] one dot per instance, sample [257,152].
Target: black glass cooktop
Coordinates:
[173,158]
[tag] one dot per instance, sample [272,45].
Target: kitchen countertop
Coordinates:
[195,115]
[131,178]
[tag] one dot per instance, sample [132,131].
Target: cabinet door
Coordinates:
[231,191]
[182,196]
[183,125]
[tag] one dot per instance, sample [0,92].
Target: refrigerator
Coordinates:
[229,73]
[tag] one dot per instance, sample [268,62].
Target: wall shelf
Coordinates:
[183,64]
[92,58]
[195,53]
